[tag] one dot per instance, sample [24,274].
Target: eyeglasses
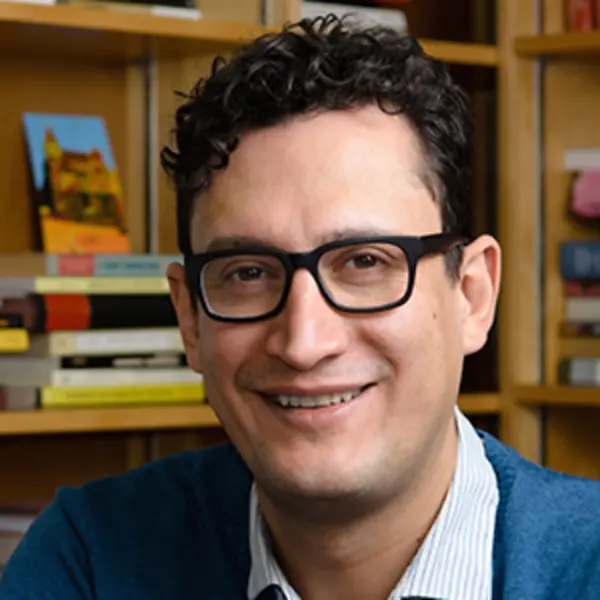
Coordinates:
[360,275]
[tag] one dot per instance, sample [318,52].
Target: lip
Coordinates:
[310,420]
[296,390]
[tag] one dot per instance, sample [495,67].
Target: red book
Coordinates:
[581,15]
[590,289]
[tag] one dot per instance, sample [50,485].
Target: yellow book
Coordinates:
[83,285]
[80,397]
[14,340]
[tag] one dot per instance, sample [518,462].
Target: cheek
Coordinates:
[223,349]
[419,340]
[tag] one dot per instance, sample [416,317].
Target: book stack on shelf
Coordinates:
[579,263]
[101,329]
[95,339]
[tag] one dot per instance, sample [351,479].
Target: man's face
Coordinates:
[294,187]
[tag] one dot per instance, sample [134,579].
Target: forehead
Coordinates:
[292,184]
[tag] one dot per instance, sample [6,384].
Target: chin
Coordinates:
[317,478]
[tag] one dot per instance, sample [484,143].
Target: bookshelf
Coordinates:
[551,91]
[127,67]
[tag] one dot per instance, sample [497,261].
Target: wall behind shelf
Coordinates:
[66,86]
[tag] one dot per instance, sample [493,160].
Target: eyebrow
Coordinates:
[232,242]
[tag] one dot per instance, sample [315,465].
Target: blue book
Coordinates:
[580,259]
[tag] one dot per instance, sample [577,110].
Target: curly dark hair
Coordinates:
[317,65]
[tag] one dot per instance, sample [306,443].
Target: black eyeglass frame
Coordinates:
[414,247]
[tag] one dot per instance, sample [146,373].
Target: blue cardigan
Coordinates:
[178,529]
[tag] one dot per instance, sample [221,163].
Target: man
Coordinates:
[328,299]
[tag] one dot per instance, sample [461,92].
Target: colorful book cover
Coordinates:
[78,193]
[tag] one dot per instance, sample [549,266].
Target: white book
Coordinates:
[23,375]
[105,341]
[364,15]
[581,159]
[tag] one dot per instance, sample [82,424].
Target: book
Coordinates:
[21,286]
[41,313]
[582,309]
[581,159]
[579,259]
[581,15]
[106,342]
[21,374]
[48,397]
[165,8]
[580,371]
[583,329]
[364,15]
[75,184]
[86,265]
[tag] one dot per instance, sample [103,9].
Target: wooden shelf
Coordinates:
[560,44]
[106,419]
[558,396]
[79,32]
[481,404]
[148,418]
[477,55]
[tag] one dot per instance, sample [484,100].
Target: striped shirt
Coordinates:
[455,560]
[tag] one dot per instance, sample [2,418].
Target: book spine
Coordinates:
[13,339]
[582,329]
[109,265]
[580,260]
[579,371]
[61,397]
[576,160]
[581,15]
[128,341]
[119,377]
[137,361]
[582,289]
[77,312]
[584,309]
[100,285]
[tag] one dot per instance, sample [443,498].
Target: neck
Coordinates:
[362,554]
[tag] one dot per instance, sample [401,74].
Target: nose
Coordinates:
[308,331]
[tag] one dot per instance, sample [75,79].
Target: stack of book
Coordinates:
[579,265]
[366,12]
[580,270]
[102,331]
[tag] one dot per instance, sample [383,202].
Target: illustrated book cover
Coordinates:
[78,196]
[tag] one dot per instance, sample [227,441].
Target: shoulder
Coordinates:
[547,536]
[199,478]
[537,499]
[149,529]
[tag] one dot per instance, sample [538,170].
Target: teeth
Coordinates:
[315,401]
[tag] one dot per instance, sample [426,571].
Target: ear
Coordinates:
[187,317]
[480,285]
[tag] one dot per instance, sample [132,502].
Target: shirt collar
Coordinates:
[455,560]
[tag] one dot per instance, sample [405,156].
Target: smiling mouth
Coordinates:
[316,401]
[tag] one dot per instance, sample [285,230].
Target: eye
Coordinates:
[364,261]
[248,273]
